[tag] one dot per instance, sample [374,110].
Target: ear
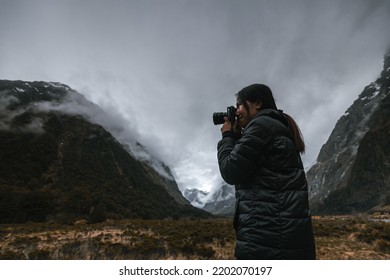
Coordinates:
[259,104]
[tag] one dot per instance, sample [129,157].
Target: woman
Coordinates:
[260,155]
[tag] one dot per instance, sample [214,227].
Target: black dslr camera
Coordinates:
[230,113]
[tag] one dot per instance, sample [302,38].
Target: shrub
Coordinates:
[40,255]
[382,246]
[11,255]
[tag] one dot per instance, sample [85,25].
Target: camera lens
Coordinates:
[218,118]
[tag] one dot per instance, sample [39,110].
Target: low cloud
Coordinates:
[8,116]
[76,104]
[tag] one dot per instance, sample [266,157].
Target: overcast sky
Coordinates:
[165,66]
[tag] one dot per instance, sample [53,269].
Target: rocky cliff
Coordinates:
[352,172]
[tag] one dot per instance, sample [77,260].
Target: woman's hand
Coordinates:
[227,125]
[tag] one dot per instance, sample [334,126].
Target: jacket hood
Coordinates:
[275,114]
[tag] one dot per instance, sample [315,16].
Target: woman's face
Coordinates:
[244,116]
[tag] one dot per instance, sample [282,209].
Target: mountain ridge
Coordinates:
[57,165]
[351,173]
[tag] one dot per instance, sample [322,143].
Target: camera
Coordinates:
[230,113]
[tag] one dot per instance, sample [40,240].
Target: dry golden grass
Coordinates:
[342,237]
[352,237]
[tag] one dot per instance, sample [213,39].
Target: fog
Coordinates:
[163,67]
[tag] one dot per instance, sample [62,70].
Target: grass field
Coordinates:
[337,237]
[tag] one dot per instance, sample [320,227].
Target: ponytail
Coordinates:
[296,134]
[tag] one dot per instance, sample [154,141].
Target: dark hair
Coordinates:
[262,93]
[257,92]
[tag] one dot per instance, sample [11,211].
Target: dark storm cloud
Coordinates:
[166,66]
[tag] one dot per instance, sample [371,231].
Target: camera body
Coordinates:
[230,113]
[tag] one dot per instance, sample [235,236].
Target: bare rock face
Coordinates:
[352,172]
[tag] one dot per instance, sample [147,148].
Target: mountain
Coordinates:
[352,172]
[220,201]
[57,163]
[196,197]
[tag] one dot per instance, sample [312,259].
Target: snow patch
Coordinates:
[19,89]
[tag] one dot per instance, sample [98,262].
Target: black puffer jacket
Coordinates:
[272,218]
